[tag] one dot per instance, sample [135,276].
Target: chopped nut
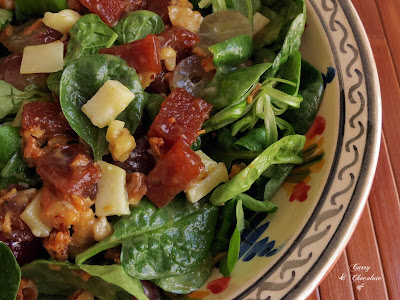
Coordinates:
[121,141]
[102,229]
[147,78]
[156,145]
[81,295]
[136,187]
[27,290]
[168,55]
[182,3]
[185,17]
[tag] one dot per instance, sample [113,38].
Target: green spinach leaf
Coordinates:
[229,89]
[88,35]
[254,140]
[281,172]
[153,105]
[291,42]
[10,142]
[27,9]
[284,151]
[137,25]
[53,82]
[63,279]
[227,116]
[232,52]
[226,220]
[187,283]
[12,166]
[82,79]
[312,90]
[228,262]
[159,243]
[11,98]
[271,32]
[6,17]
[291,71]
[10,275]
[256,205]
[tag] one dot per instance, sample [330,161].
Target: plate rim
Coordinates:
[352,215]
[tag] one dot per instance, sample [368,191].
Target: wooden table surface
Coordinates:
[376,241]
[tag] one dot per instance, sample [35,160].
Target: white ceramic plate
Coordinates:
[287,254]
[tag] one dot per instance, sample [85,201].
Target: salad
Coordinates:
[135,135]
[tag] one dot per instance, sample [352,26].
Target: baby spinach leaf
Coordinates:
[187,283]
[10,275]
[254,140]
[229,89]
[82,79]
[10,142]
[226,116]
[6,17]
[256,205]
[53,82]
[312,90]
[31,9]
[291,71]
[271,32]
[88,35]
[226,220]
[11,98]
[291,41]
[63,279]
[284,151]
[137,25]
[153,105]
[232,52]
[12,166]
[281,172]
[115,275]
[228,262]
[159,243]
[245,7]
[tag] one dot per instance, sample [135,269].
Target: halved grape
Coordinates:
[190,75]
[223,25]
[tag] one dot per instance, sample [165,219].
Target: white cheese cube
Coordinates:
[61,21]
[259,22]
[214,173]
[112,197]
[31,216]
[47,58]
[110,100]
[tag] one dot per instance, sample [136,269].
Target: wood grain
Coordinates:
[362,251]
[333,287]
[389,11]
[385,211]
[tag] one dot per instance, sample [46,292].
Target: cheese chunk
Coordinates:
[110,100]
[31,216]
[47,58]
[214,173]
[61,21]
[112,197]
[259,22]
[121,141]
